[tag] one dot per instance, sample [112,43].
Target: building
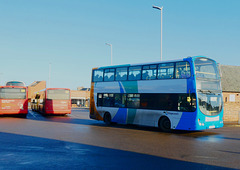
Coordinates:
[79,97]
[35,87]
[231,93]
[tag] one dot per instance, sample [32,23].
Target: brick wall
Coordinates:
[231,106]
[83,94]
[35,88]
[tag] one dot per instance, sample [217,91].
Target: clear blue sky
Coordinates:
[71,34]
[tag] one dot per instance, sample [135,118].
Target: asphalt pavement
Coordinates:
[77,142]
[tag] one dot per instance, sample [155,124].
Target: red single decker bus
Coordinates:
[53,101]
[13,100]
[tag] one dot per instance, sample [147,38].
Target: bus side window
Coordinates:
[166,71]
[183,70]
[133,100]
[134,73]
[186,102]
[97,75]
[121,74]
[149,72]
[120,100]
[99,100]
[108,100]
[109,74]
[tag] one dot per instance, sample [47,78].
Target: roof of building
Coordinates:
[85,89]
[230,78]
[34,83]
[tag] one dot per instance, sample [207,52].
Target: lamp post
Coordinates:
[160,8]
[49,76]
[111,50]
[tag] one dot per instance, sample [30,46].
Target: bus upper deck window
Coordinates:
[134,73]
[166,71]
[149,72]
[183,70]
[121,74]
[109,74]
[97,75]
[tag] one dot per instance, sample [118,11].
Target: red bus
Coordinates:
[13,100]
[53,101]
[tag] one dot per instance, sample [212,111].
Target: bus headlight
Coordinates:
[200,124]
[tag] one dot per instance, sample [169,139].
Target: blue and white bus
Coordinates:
[183,94]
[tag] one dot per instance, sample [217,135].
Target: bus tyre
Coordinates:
[164,124]
[107,118]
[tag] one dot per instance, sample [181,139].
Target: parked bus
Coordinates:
[183,94]
[53,101]
[13,100]
[15,83]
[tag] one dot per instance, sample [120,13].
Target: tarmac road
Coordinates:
[76,142]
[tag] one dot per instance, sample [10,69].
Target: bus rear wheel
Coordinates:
[164,124]
[107,118]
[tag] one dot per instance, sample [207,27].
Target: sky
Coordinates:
[66,38]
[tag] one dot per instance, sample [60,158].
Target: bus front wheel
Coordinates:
[164,124]
[107,118]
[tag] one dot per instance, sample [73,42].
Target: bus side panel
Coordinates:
[187,121]
[152,117]
[162,86]
[93,110]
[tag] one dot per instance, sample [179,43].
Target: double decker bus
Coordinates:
[183,94]
[53,101]
[15,83]
[13,100]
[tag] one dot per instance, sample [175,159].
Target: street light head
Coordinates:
[156,7]
[108,44]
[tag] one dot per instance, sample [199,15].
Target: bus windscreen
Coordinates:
[12,93]
[58,94]
[15,83]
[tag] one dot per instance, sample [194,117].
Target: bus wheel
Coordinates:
[164,124]
[107,118]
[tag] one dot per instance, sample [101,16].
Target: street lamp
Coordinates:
[160,8]
[49,76]
[111,50]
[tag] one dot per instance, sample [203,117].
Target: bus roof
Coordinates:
[23,87]
[14,82]
[157,62]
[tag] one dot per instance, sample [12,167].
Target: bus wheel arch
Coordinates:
[164,124]
[107,118]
